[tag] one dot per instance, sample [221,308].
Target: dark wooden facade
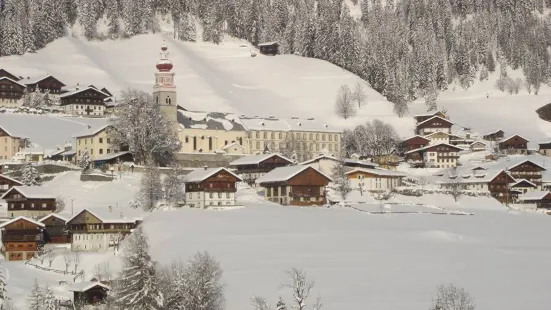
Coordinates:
[422,118]
[499,187]
[89,96]
[6,183]
[18,202]
[250,172]
[514,144]
[55,229]
[11,89]
[221,181]
[307,188]
[94,295]
[434,124]
[5,73]
[543,203]
[529,171]
[271,48]
[21,239]
[415,142]
[47,84]
[494,136]
[87,222]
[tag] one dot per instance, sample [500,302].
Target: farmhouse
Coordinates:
[21,238]
[99,229]
[494,136]
[295,185]
[433,124]
[528,170]
[540,199]
[211,187]
[5,73]
[29,201]
[514,145]
[6,183]
[251,167]
[45,83]
[55,229]
[326,163]
[415,142]
[91,293]
[545,149]
[439,137]
[477,146]
[374,179]
[86,101]
[423,117]
[495,181]
[523,186]
[11,92]
[438,156]
[269,48]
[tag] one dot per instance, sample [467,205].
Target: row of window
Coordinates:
[85,107]
[260,145]
[22,205]
[298,136]
[100,140]
[5,86]
[211,195]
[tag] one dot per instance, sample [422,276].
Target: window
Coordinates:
[258,134]
[280,135]
[330,137]
[44,206]
[108,151]
[187,139]
[227,195]
[100,140]
[210,143]
[79,153]
[257,145]
[190,195]
[108,140]
[272,135]
[92,151]
[219,195]
[211,195]
[32,205]
[101,151]
[265,135]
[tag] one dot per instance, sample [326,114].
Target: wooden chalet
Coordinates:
[99,229]
[423,117]
[295,186]
[21,238]
[209,187]
[433,124]
[414,143]
[89,293]
[441,155]
[326,163]
[527,170]
[497,135]
[6,183]
[514,145]
[540,199]
[86,101]
[47,83]
[374,180]
[55,229]
[5,73]
[477,146]
[523,186]
[496,181]
[439,137]
[269,48]
[11,92]
[545,149]
[250,168]
[29,201]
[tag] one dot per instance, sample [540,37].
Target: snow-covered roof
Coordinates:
[209,120]
[416,136]
[256,159]
[379,172]
[69,153]
[35,192]
[13,81]
[201,174]
[518,182]
[475,142]
[526,161]
[21,218]
[494,132]
[11,179]
[538,195]
[486,177]
[434,145]
[37,79]
[438,132]
[434,117]
[76,91]
[86,285]
[11,133]
[54,215]
[110,156]
[106,216]
[292,124]
[91,131]
[347,161]
[54,153]
[429,114]
[283,174]
[510,137]
[267,43]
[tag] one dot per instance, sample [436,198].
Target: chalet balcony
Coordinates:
[20,238]
[220,190]
[100,231]
[447,156]
[16,199]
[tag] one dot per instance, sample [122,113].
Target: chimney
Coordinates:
[89,126]
[205,167]
[78,86]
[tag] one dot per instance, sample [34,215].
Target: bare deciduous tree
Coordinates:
[359,94]
[301,288]
[59,205]
[450,297]
[371,139]
[260,303]
[68,257]
[455,187]
[76,260]
[343,103]
[50,256]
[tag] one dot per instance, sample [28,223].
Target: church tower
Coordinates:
[164,90]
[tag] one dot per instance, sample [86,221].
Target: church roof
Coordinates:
[210,120]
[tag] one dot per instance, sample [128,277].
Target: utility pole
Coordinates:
[72,209]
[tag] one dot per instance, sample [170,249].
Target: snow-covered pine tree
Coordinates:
[84,161]
[35,298]
[48,300]
[340,179]
[151,190]
[186,28]
[173,187]
[202,288]
[12,29]
[137,286]
[281,304]
[113,13]
[29,175]
[2,286]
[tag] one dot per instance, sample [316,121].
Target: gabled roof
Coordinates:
[76,91]
[13,180]
[268,43]
[201,174]
[438,132]
[38,79]
[477,142]
[13,81]
[21,218]
[92,131]
[84,286]
[522,181]
[533,196]
[493,133]
[428,114]
[347,161]
[435,117]
[9,74]
[282,174]
[416,136]
[434,145]
[256,159]
[110,156]
[105,216]
[36,192]
[379,172]
[52,215]
[526,161]
[510,137]
[487,177]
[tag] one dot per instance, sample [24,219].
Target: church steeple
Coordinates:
[164,90]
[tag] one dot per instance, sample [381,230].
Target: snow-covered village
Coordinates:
[275,154]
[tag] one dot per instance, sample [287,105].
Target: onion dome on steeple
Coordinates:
[164,64]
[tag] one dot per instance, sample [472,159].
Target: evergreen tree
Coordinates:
[84,161]
[12,29]
[281,304]
[113,13]
[35,298]
[48,300]
[186,28]
[137,286]
[29,175]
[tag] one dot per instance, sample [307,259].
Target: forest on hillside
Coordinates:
[405,49]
